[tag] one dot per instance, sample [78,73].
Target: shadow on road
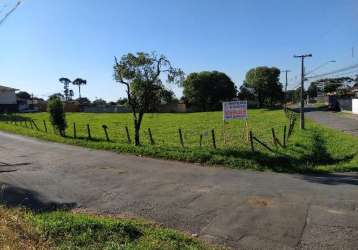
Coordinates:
[13,196]
[332,179]
[310,109]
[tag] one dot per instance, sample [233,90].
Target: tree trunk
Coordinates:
[79,91]
[136,133]
[260,100]
[137,125]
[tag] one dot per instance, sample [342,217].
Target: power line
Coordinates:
[346,73]
[10,12]
[320,66]
[334,72]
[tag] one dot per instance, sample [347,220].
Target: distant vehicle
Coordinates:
[34,110]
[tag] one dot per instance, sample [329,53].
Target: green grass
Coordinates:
[65,230]
[317,149]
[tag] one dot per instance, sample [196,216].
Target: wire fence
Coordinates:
[200,134]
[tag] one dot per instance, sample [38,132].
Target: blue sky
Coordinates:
[44,40]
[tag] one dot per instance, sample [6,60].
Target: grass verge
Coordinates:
[316,149]
[21,229]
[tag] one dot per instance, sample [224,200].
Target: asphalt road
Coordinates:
[241,209]
[347,123]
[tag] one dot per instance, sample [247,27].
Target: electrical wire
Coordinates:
[355,66]
[10,11]
[319,67]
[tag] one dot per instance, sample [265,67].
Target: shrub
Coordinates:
[57,115]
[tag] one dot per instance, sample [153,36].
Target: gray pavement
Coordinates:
[341,121]
[240,209]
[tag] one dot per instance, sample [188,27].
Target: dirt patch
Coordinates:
[257,201]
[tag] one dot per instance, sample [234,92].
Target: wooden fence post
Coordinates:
[89,131]
[201,139]
[105,131]
[150,136]
[45,126]
[274,137]
[284,136]
[251,141]
[37,128]
[291,127]
[128,136]
[213,138]
[74,131]
[181,137]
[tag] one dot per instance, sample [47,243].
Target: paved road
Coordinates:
[241,209]
[344,122]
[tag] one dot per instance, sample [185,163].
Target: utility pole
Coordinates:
[286,71]
[302,106]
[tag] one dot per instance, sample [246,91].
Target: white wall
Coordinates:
[7,97]
[355,106]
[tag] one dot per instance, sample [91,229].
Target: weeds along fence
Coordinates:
[204,133]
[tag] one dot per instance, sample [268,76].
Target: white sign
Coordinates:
[235,110]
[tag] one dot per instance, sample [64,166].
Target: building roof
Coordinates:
[6,88]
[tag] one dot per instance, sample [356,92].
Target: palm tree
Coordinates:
[66,82]
[79,82]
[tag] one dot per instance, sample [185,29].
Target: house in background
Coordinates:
[8,102]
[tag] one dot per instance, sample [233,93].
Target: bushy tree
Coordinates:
[99,102]
[23,95]
[57,115]
[56,95]
[312,90]
[83,101]
[166,96]
[331,84]
[246,93]
[266,85]
[140,74]
[122,101]
[208,89]
[331,87]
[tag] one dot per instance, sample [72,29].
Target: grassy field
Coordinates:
[65,230]
[317,149]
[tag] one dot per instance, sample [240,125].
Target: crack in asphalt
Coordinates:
[304,225]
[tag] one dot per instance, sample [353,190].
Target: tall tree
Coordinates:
[79,82]
[140,74]
[331,84]
[208,89]
[66,83]
[71,94]
[23,95]
[265,83]
[312,90]
[246,93]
